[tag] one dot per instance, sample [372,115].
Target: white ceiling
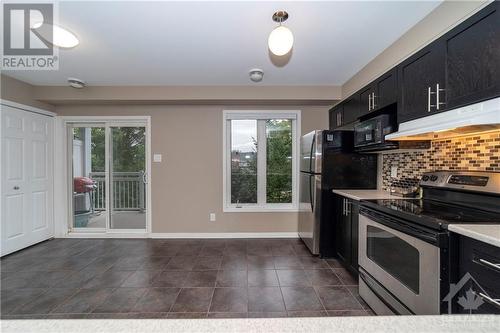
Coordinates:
[217,43]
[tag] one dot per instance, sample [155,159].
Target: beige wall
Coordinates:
[20,92]
[439,21]
[187,185]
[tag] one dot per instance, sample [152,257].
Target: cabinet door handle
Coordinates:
[373,101]
[438,91]
[429,93]
[369,102]
[488,299]
[491,265]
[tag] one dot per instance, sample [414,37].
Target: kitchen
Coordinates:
[377,199]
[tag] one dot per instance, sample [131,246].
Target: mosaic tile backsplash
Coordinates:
[467,153]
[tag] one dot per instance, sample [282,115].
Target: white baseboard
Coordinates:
[106,235]
[225,235]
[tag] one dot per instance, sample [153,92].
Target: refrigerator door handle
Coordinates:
[312,151]
[311,183]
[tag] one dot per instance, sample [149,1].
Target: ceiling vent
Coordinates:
[76,83]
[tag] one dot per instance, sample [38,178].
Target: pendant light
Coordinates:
[280,40]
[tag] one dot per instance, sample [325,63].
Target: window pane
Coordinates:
[279,160]
[243,161]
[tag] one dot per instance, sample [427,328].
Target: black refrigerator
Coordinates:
[328,161]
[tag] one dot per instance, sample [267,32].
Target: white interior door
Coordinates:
[27,178]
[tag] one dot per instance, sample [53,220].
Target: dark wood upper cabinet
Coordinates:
[472,59]
[419,77]
[365,99]
[386,90]
[336,116]
[351,109]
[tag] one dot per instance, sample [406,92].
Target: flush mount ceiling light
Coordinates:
[280,40]
[256,74]
[76,83]
[61,37]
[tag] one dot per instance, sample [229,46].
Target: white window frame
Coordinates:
[261,205]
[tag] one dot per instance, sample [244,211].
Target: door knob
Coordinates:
[16,188]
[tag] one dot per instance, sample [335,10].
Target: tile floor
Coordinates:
[146,278]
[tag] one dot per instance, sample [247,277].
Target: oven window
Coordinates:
[394,255]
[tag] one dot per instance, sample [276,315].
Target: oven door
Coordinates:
[405,266]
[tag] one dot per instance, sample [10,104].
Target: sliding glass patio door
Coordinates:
[108,177]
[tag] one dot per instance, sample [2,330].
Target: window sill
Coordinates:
[260,210]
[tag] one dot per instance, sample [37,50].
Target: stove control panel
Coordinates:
[464,180]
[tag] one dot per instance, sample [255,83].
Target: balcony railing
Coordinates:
[128,190]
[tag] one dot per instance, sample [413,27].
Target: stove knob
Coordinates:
[425,178]
[434,178]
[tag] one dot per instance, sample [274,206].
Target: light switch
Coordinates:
[157,158]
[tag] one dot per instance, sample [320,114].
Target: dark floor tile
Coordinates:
[355,292]
[154,263]
[337,298]
[346,277]
[121,300]
[234,263]
[322,277]
[286,250]
[262,278]
[232,278]
[45,302]
[186,315]
[287,262]
[267,314]
[189,250]
[307,313]
[76,280]
[16,280]
[181,263]
[66,316]
[235,249]
[128,263]
[333,263]
[169,250]
[313,262]
[102,264]
[170,279]
[229,300]
[301,250]
[292,277]
[140,279]
[12,299]
[201,279]
[108,279]
[265,299]
[207,263]
[259,251]
[193,300]
[84,301]
[301,299]
[222,315]
[348,313]
[157,300]
[24,317]
[260,262]
[212,250]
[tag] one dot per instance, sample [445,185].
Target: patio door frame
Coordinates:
[64,213]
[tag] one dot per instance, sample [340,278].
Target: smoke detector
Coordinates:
[256,74]
[76,83]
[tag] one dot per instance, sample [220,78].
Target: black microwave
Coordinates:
[369,135]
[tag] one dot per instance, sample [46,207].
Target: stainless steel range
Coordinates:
[403,243]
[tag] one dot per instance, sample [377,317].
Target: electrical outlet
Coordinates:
[394,171]
[157,158]
[212,217]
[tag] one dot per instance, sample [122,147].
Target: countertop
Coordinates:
[488,233]
[442,324]
[366,194]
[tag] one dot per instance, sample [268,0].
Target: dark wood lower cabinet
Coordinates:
[347,220]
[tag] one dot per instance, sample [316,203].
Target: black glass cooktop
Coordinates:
[434,214]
